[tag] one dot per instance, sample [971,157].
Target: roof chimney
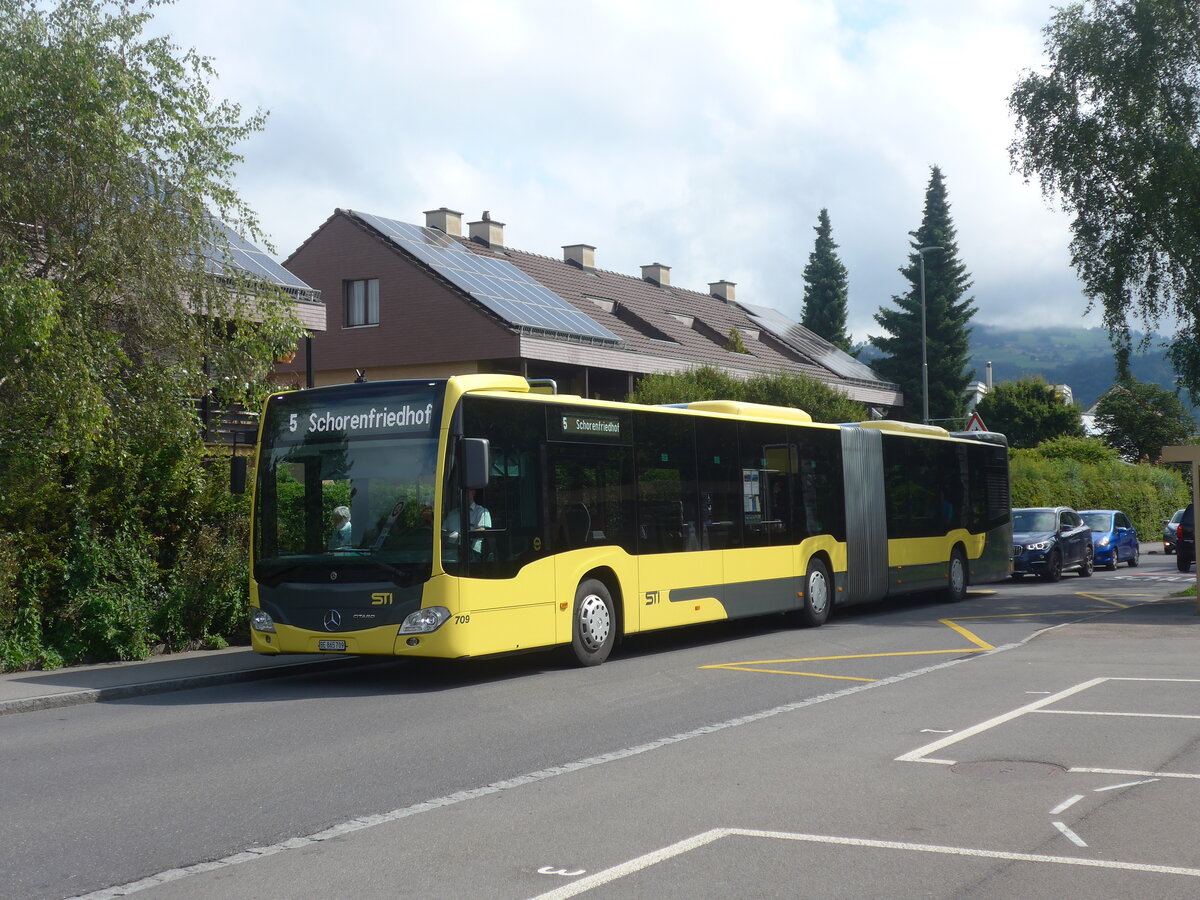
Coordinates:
[657,273]
[488,232]
[722,290]
[445,220]
[988,381]
[582,256]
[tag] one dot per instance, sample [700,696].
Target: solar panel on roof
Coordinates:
[498,285]
[239,253]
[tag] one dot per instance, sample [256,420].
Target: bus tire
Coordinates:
[594,623]
[956,576]
[818,595]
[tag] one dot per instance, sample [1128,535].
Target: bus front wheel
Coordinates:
[593,630]
[818,595]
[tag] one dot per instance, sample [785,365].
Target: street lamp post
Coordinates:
[921,251]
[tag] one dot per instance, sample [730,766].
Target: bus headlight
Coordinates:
[424,621]
[260,620]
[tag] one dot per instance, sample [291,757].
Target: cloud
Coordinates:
[703,135]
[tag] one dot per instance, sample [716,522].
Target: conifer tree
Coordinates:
[825,289]
[947,314]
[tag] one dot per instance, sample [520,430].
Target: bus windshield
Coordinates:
[346,483]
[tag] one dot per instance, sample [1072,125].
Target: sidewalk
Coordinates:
[28,691]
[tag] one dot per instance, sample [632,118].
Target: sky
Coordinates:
[706,136]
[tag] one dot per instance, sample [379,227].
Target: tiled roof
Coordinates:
[652,319]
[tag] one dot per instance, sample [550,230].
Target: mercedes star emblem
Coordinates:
[333,619]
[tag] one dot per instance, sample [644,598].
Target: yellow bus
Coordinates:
[589,520]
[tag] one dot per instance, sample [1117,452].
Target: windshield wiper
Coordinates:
[402,578]
[274,578]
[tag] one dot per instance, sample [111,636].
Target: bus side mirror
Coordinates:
[237,474]
[475,462]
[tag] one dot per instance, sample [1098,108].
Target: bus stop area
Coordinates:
[1065,764]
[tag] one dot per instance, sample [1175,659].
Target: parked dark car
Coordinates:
[1185,540]
[1048,540]
[1114,539]
[1170,531]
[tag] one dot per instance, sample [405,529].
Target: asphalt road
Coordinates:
[1034,739]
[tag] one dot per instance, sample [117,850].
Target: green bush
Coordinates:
[1069,472]
[819,400]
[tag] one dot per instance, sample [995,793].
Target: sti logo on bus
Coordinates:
[406,418]
[381,599]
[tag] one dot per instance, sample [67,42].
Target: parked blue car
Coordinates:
[1114,539]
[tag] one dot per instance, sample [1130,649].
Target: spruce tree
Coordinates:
[947,314]
[825,289]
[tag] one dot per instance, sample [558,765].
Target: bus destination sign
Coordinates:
[371,421]
[590,425]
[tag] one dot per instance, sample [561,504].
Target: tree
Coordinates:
[114,160]
[1138,420]
[1110,128]
[947,315]
[1029,411]
[825,289]
[819,400]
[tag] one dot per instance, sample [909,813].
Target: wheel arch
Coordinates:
[608,577]
[839,596]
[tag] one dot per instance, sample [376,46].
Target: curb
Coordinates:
[79,697]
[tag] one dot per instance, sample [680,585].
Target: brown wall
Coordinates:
[422,321]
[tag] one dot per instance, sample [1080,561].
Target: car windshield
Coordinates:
[1035,520]
[1098,521]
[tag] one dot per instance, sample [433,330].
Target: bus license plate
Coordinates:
[331,645]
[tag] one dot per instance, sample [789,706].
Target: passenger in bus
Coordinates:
[479,517]
[341,528]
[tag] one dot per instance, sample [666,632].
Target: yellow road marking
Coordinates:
[980,645]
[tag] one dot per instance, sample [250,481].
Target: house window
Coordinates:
[362,302]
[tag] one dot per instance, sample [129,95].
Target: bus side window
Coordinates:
[667,494]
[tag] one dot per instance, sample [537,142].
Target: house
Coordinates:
[236,261]
[426,301]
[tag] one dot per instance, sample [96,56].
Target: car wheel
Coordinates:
[1053,568]
[593,631]
[1112,563]
[1168,549]
[956,576]
[1182,563]
[1088,566]
[818,595]
[1136,558]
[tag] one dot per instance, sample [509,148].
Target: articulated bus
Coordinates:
[590,520]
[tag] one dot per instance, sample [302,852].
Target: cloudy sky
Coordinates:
[702,135]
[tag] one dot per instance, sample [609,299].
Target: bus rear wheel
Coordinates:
[593,629]
[818,595]
[956,576]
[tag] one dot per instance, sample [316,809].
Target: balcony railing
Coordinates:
[226,426]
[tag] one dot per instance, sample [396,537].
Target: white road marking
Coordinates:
[607,876]
[937,731]
[1070,835]
[1113,787]
[918,754]
[1151,775]
[496,787]
[1066,804]
[1135,715]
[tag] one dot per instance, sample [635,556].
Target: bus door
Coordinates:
[680,576]
[590,511]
